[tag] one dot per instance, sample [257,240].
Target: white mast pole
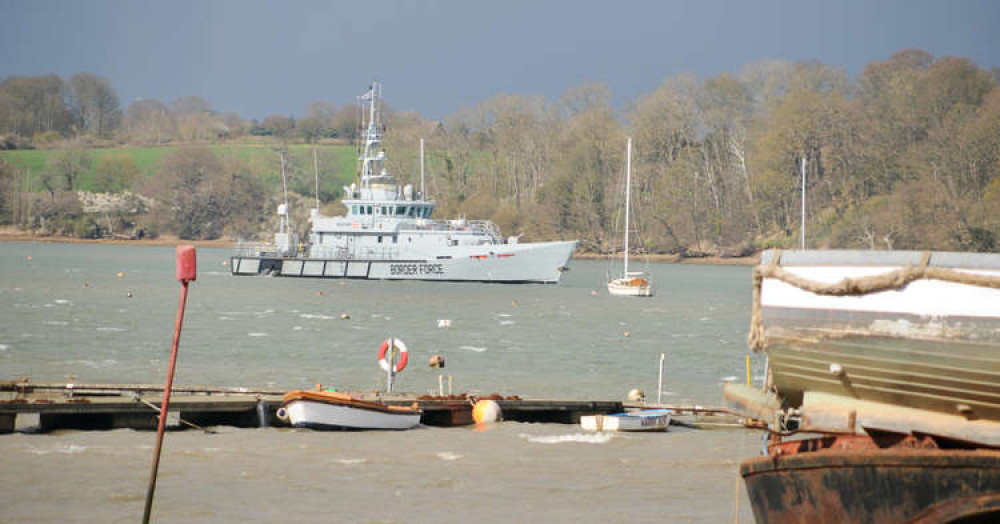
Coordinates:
[284,183]
[392,362]
[283,226]
[316,171]
[628,187]
[421,169]
[803,234]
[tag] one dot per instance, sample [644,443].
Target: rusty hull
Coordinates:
[853,479]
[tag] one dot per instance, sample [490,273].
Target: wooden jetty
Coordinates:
[50,406]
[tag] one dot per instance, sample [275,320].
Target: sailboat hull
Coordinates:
[630,287]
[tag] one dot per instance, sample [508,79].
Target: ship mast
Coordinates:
[372,137]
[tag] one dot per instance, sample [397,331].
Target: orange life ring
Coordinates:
[404,355]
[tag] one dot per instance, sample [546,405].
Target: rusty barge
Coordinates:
[882,395]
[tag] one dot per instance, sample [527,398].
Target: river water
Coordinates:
[97,313]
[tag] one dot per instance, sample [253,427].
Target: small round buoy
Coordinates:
[29,257]
[86,284]
[282,414]
[486,412]
[593,292]
[513,303]
[225,262]
[319,293]
[345,316]
[129,294]
[121,274]
[636,395]
[437,361]
[627,334]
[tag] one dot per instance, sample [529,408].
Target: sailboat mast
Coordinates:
[628,187]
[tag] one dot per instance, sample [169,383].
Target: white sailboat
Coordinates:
[630,283]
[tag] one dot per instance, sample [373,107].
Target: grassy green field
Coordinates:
[337,164]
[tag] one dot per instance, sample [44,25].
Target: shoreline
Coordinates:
[13,235]
[8,235]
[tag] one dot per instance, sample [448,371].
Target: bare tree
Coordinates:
[95,104]
[149,121]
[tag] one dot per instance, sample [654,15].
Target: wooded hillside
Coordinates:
[904,156]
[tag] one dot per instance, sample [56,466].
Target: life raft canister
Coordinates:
[404,355]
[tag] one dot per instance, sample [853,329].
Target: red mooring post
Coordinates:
[186,272]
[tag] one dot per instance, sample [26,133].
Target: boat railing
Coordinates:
[256,249]
[475,227]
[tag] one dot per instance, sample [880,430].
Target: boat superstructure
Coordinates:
[387,233]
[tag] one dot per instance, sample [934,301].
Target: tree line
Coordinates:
[906,155]
[40,111]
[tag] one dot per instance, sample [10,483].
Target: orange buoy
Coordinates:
[486,412]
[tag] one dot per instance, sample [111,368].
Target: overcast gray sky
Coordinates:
[262,57]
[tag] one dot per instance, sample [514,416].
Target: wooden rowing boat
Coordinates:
[331,410]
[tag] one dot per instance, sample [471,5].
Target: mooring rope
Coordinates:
[892,280]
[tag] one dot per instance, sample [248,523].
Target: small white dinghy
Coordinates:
[331,410]
[646,420]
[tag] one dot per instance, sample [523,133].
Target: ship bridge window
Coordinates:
[369,211]
[354,210]
[410,210]
[380,239]
[400,210]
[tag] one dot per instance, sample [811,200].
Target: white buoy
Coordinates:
[444,323]
[487,412]
[345,316]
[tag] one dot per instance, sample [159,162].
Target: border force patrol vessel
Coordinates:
[388,233]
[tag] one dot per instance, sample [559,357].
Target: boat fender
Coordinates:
[404,355]
[282,414]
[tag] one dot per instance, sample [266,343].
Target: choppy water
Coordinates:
[65,311]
